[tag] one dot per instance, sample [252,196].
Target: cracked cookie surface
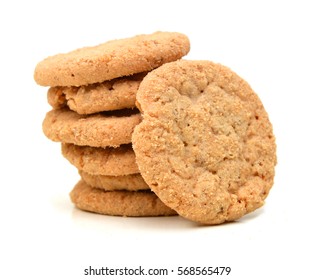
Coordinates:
[205,145]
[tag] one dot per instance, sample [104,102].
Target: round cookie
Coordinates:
[205,145]
[118,203]
[98,130]
[111,95]
[101,161]
[112,59]
[132,182]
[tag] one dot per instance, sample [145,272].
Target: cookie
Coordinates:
[111,95]
[132,182]
[205,145]
[101,161]
[112,59]
[98,130]
[118,203]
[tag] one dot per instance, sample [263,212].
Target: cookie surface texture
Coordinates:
[97,130]
[111,95]
[205,145]
[132,182]
[112,59]
[101,161]
[118,203]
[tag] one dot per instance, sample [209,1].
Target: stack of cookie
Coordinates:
[93,94]
[202,141]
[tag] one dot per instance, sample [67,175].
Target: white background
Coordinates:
[42,236]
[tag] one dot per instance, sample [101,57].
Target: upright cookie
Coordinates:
[132,182]
[205,145]
[112,59]
[101,161]
[111,95]
[98,130]
[118,203]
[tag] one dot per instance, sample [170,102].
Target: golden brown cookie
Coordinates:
[132,182]
[205,145]
[111,95]
[101,161]
[118,203]
[112,59]
[98,130]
